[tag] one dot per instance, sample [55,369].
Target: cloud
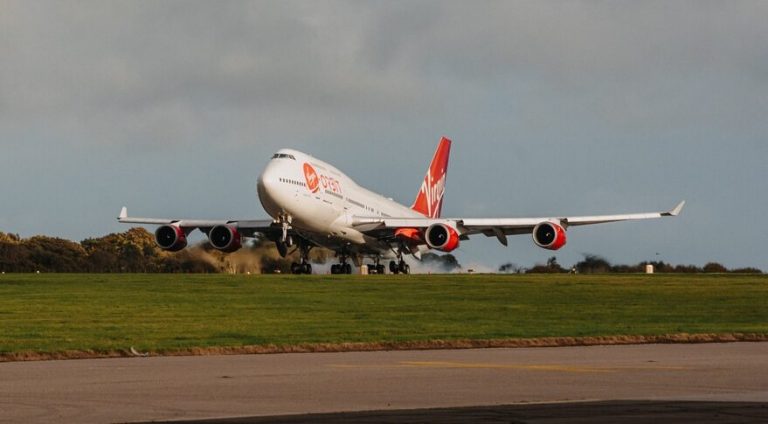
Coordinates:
[178,72]
[161,74]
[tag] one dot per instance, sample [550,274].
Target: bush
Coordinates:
[714,267]
[552,267]
[687,269]
[748,270]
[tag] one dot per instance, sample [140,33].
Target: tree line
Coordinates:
[594,264]
[135,251]
[131,251]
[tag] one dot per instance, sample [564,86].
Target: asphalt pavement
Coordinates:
[644,383]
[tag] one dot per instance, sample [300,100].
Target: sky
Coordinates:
[557,108]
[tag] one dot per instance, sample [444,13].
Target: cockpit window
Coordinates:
[283,156]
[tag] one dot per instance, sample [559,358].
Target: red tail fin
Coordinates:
[429,201]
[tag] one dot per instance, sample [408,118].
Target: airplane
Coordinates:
[311,203]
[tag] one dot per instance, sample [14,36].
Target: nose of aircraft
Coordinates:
[268,189]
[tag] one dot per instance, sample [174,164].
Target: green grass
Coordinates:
[54,313]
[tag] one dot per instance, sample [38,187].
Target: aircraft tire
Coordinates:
[347,268]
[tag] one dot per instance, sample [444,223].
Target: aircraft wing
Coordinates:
[498,227]
[247,227]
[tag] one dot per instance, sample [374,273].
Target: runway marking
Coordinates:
[526,367]
[523,367]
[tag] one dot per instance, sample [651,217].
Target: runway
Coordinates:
[222,387]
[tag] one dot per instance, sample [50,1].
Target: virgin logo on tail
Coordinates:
[429,201]
[313,181]
[432,191]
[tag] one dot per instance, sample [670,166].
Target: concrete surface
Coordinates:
[195,388]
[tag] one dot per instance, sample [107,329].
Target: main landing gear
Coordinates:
[342,267]
[399,267]
[301,268]
[376,267]
[304,267]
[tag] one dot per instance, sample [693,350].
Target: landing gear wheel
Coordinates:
[380,269]
[393,267]
[341,269]
[404,268]
[304,268]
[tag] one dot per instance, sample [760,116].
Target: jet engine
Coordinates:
[225,238]
[549,235]
[442,237]
[171,238]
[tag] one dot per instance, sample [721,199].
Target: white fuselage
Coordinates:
[319,201]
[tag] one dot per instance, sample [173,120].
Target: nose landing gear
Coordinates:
[285,240]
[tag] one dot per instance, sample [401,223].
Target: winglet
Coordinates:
[123,213]
[676,210]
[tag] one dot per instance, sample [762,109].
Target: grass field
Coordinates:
[163,313]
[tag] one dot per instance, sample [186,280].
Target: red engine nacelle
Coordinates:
[225,238]
[549,235]
[171,238]
[442,237]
